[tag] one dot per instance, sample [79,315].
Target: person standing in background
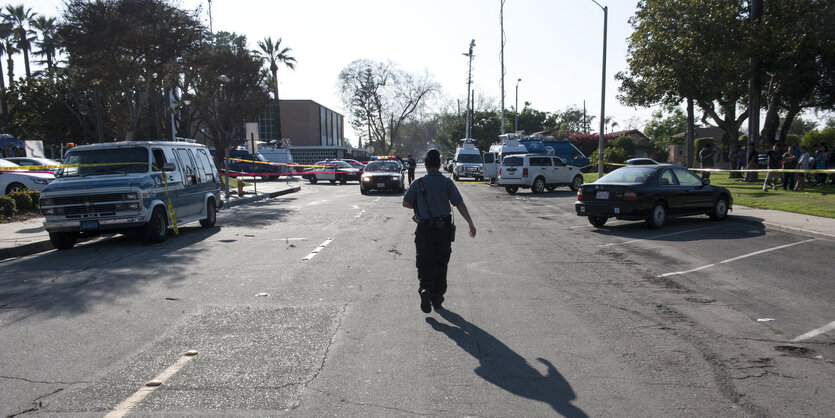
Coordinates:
[706,157]
[789,161]
[802,164]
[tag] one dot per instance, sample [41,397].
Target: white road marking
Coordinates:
[360,214]
[125,407]
[317,202]
[657,236]
[815,332]
[316,251]
[736,258]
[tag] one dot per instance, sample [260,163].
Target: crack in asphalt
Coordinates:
[40,381]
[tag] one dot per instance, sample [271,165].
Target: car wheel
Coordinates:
[16,187]
[720,209]
[343,180]
[511,189]
[657,216]
[576,183]
[63,240]
[313,180]
[362,190]
[550,188]
[333,181]
[598,221]
[538,185]
[157,227]
[211,214]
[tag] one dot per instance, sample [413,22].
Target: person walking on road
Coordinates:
[430,198]
[411,166]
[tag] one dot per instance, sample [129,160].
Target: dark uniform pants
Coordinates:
[433,250]
[411,175]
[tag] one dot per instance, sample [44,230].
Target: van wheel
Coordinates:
[211,214]
[538,185]
[16,187]
[576,183]
[511,189]
[313,179]
[63,240]
[598,221]
[157,227]
[657,216]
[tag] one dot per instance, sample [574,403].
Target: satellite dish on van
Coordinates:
[370,149]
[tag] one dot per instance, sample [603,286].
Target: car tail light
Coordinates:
[630,196]
[579,194]
[525,172]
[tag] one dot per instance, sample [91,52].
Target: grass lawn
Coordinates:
[814,200]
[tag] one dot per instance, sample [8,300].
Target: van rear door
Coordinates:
[491,166]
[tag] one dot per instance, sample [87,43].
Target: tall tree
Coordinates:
[48,44]
[383,97]
[275,54]
[20,17]
[10,49]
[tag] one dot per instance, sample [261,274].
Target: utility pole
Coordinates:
[755,84]
[602,92]
[516,109]
[501,24]
[468,129]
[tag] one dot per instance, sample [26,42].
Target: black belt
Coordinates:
[437,222]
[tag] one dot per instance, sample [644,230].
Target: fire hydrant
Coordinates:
[240,188]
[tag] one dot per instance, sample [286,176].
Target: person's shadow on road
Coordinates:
[504,368]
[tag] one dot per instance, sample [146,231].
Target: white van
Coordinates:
[538,172]
[467,162]
[492,160]
[130,186]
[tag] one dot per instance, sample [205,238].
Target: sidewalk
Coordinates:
[19,239]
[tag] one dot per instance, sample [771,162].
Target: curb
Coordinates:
[777,227]
[43,246]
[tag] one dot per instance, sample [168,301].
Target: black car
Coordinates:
[382,175]
[651,193]
[244,163]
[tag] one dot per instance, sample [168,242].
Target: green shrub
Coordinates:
[22,200]
[812,139]
[36,198]
[7,206]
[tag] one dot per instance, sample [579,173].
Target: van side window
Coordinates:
[159,159]
[188,169]
[207,164]
[201,172]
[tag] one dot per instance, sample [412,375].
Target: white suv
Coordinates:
[538,172]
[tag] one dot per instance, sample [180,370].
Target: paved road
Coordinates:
[306,305]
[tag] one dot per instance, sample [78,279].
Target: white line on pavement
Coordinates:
[316,251]
[815,332]
[125,407]
[736,258]
[657,236]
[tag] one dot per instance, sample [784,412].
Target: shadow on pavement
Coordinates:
[506,369]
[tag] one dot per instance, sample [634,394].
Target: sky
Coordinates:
[554,46]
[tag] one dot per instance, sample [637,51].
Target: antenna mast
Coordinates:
[468,132]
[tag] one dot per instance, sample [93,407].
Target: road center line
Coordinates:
[657,236]
[317,249]
[815,332]
[736,258]
[125,407]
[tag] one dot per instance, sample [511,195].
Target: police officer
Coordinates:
[411,164]
[430,198]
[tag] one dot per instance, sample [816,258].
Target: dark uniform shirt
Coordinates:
[440,192]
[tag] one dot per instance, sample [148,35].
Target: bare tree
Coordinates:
[381,98]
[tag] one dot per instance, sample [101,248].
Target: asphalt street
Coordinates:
[306,305]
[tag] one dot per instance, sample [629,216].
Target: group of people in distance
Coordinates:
[785,156]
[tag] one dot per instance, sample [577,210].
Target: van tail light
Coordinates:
[500,172]
[525,172]
[579,194]
[630,196]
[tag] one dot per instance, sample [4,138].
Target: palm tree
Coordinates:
[10,49]
[48,43]
[275,55]
[5,35]
[20,17]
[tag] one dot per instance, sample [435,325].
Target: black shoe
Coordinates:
[425,304]
[437,303]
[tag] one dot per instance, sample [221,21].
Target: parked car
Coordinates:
[652,193]
[333,171]
[36,161]
[145,187]
[14,179]
[641,161]
[382,175]
[242,161]
[537,172]
[354,163]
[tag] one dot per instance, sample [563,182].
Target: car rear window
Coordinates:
[512,161]
[628,175]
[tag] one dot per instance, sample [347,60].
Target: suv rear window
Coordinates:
[512,161]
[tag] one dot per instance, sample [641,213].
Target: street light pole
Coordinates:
[467,133]
[516,109]
[602,91]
